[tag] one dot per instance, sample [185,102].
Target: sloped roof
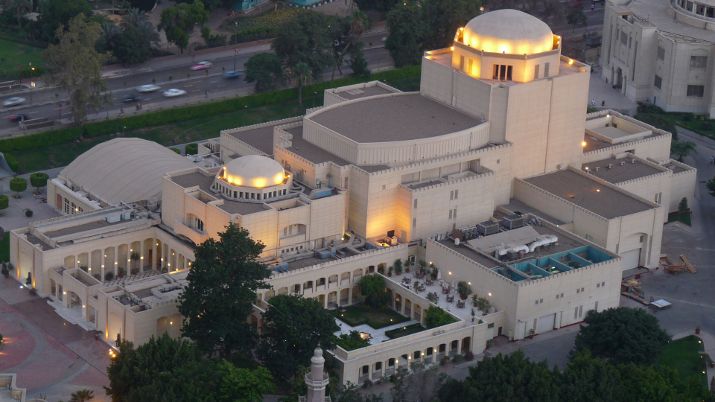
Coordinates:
[124,170]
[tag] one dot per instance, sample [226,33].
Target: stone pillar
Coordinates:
[116,260]
[316,380]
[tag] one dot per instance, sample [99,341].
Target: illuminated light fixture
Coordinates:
[84,306]
[450,272]
[583,144]
[64,293]
[260,182]
[489,294]
[469,283]
[586,168]
[451,48]
[570,62]
[598,190]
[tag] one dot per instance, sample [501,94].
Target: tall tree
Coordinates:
[305,39]
[221,291]
[173,370]
[681,149]
[57,13]
[136,39]
[294,326]
[407,32]
[82,395]
[622,335]
[178,22]
[374,289]
[265,70]
[587,378]
[345,33]
[303,75]
[444,17]
[74,65]
[504,379]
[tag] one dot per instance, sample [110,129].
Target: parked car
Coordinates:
[130,99]
[202,65]
[148,88]
[14,101]
[170,93]
[16,118]
[231,74]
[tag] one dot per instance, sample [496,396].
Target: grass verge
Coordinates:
[668,121]
[15,58]
[683,355]
[179,125]
[360,314]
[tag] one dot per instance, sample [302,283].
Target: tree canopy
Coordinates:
[305,39]
[407,32]
[265,70]
[293,328]
[166,369]
[178,22]
[374,290]
[135,40]
[622,335]
[74,65]
[57,13]
[222,288]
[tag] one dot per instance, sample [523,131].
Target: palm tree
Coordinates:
[82,395]
[303,74]
[681,149]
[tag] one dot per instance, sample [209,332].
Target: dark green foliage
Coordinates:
[18,184]
[305,39]
[374,290]
[575,16]
[221,291]
[4,202]
[265,70]
[56,13]
[359,314]
[711,186]
[191,149]
[38,179]
[351,341]
[407,32]
[180,373]
[135,39]
[178,22]
[505,379]
[464,290]
[683,205]
[622,335]
[436,317]
[404,331]
[12,162]
[294,327]
[443,18]
[143,5]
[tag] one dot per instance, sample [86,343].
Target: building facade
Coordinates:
[492,174]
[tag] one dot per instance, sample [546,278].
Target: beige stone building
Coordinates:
[492,174]
[661,52]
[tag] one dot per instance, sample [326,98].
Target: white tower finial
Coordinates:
[316,379]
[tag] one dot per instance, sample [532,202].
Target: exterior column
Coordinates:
[153,253]
[116,260]
[350,295]
[141,256]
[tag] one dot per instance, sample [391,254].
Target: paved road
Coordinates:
[169,72]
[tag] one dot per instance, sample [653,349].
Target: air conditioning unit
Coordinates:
[487,228]
[512,221]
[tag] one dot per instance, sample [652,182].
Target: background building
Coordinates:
[661,52]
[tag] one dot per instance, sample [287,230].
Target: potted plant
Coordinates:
[464,290]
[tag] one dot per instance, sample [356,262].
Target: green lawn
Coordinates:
[363,314]
[15,58]
[404,331]
[5,248]
[683,355]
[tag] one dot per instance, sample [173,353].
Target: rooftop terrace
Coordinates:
[589,194]
[618,170]
[311,151]
[397,117]
[364,90]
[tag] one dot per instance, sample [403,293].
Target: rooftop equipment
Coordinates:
[512,221]
[487,228]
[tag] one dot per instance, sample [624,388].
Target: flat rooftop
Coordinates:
[393,118]
[98,224]
[658,13]
[204,182]
[363,92]
[192,179]
[611,132]
[618,170]
[589,194]
[260,136]
[311,151]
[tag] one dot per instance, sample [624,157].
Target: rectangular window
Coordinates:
[536,71]
[657,81]
[546,69]
[456,194]
[454,214]
[624,38]
[414,223]
[461,63]
[696,91]
[661,53]
[698,61]
[415,203]
[450,214]
[502,72]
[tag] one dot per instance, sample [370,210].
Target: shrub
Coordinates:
[464,290]
[398,266]
[28,212]
[121,272]
[374,290]
[38,180]
[482,304]
[4,202]
[108,276]
[191,149]
[18,185]
[351,341]
[683,205]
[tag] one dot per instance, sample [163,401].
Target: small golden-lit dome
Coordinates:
[253,171]
[508,32]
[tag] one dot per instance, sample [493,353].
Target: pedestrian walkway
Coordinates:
[602,95]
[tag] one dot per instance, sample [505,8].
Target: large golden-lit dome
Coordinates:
[253,171]
[508,32]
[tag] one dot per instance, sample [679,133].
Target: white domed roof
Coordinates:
[508,31]
[253,171]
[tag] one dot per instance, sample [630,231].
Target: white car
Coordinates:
[202,65]
[148,88]
[14,101]
[170,93]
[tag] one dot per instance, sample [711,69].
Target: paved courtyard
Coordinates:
[51,357]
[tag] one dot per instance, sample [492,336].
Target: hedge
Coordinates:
[169,116]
